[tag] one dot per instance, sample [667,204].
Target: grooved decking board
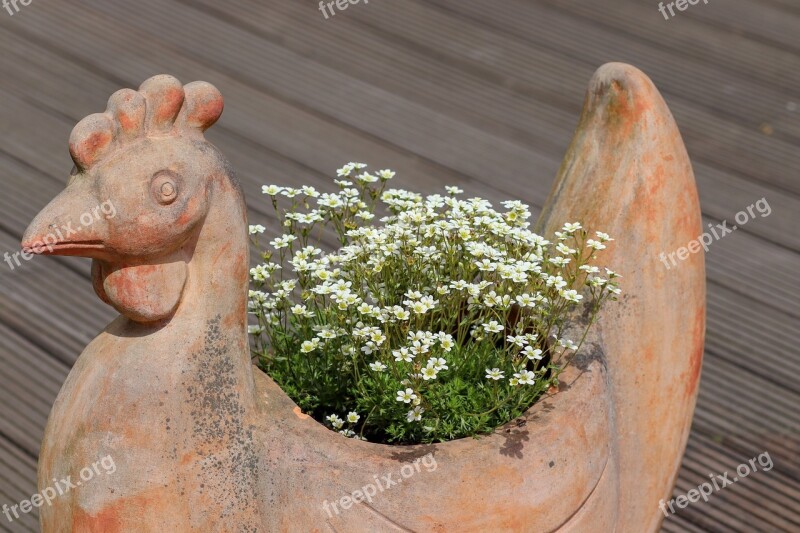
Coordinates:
[749,18]
[691,37]
[710,138]
[18,483]
[447,93]
[752,65]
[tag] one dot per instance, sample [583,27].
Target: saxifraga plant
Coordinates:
[445,320]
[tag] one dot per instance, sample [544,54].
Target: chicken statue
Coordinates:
[203,441]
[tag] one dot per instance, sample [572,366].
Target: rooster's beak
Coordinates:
[73,223]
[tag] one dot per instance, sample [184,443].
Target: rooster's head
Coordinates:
[139,194]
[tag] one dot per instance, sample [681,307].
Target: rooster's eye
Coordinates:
[165,187]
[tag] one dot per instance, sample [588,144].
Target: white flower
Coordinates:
[566,343]
[446,342]
[603,236]
[310,191]
[423,336]
[419,307]
[493,327]
[453,190]
[532,353]
[415,415]
[298,310]
[556,281]
[526,377]
[491,299]
[429,372]
[400,313]
[517,341]
[335,421]
[495,374]
[368,348]
[309,346]
[377,366]
[597,245]
[345,300]
[345,170]
[327,333]
[271,190]
[352,417]
[385,174]
[377,337]
[589,269]
[290,192]
[258,228]
[438,363]
[531,337]
[255,330]
[419,347]
[571,227]
[349,433]
[570,295]
[538,240]
[366,177]
[525,300]
[486,265]
[282,242]
[259,273]
[564,249]
[349,349]
[403,354]
[406,396]
[330,200]
[597,281]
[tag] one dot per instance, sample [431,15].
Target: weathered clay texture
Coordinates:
[204,442]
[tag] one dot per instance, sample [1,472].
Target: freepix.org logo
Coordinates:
[60,487]
[717,482]
[715,233]
[61,233]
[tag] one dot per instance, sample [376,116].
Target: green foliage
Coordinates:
[442,322]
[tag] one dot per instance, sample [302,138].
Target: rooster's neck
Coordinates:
[213,306]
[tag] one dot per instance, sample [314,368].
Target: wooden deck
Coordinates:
[481,94]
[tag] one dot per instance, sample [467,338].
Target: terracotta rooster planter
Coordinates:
[202,441]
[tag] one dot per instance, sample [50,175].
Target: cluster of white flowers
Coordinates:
[338,424]
[442,282]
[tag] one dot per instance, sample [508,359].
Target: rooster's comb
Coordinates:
[162,106]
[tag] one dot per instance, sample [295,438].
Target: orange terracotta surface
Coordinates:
[202,441]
